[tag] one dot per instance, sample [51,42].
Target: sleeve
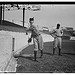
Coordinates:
[53,31]
[61,32]
[30,28]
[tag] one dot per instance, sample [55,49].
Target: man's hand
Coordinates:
[29,40]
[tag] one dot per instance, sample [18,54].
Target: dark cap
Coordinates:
[58,24]
[31,19]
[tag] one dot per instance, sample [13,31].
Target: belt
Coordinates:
[59,36]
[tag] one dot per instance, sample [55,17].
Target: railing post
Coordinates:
[13,43]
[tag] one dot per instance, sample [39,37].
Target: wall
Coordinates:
[5,50]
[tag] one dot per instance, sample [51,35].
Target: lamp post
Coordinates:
[23,16]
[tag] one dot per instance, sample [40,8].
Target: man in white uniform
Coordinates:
[37,38]
[57,34]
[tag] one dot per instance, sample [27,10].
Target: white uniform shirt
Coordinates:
[59,32]
[56,32]
[34,30]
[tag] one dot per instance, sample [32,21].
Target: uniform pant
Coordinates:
[38,43]
[57,42]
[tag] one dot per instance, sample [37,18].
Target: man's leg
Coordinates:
[35,48]
[35,55]
[41,53]
[59,51]
[53,51]
[40,45]
[59,46]
[54,45]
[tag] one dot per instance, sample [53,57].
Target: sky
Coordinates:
[48,16]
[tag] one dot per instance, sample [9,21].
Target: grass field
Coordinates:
[49,63]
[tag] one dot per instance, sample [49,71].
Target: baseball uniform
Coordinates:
[37,38]
[57,34]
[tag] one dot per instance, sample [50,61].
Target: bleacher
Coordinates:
[9,26]
[67,33]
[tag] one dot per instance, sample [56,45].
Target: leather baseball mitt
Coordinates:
[29,40]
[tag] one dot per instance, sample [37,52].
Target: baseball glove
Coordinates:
[29,40]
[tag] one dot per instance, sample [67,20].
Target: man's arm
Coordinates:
[52,33]
[30,39]
[28,29]
[61,32]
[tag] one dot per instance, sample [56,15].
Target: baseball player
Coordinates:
[57,34]
[37,38]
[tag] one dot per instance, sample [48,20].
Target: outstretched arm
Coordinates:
[52,33]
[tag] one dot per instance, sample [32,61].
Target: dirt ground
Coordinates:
[49,63]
